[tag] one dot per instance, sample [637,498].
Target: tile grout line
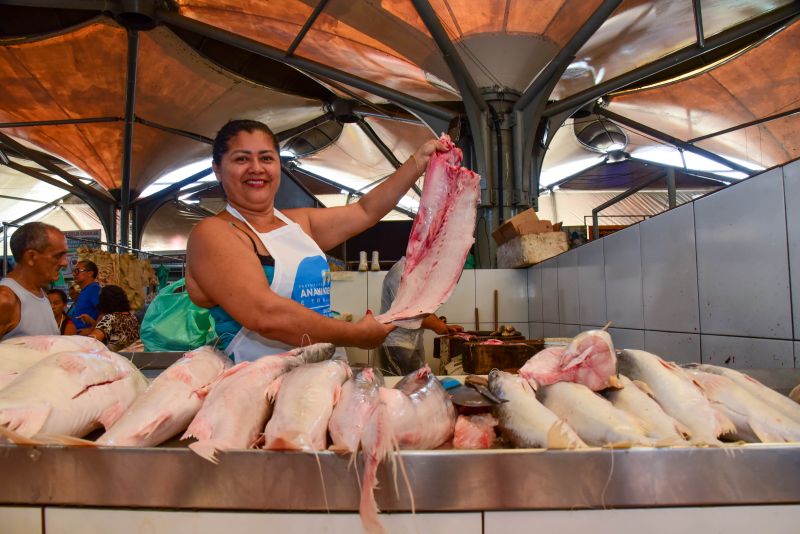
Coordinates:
[697,280]
[789,263]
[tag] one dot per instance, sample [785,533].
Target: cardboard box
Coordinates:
[527,250]
[523,224]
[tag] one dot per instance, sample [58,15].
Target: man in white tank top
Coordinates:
[40,252]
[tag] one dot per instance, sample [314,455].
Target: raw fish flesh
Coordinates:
[70,394]
[636,398]
[169,403]
[474,431]
[589,359]
[592,417]
[416,414]
[237,407]
[680,397]
[439,241]
[524,421]
[356,403]
[19,353]
[755,420]
[303,406]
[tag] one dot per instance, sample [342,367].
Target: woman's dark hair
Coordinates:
[61,294]
[113,299]
[231,129]
[90,266]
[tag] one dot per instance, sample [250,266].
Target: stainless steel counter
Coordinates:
[175,478]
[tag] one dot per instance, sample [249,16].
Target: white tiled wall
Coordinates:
[709,520]
[715,280]
[102,521]
[20,520]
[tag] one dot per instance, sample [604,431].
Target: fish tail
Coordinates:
[16,438]
[70,441]
[208,449]
[375,444]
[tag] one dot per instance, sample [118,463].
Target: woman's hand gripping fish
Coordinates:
[70,394]
[237,406]
[416,414]
[170,402]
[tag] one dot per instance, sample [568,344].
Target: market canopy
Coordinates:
[124,93]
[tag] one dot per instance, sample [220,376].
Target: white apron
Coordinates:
[301,274]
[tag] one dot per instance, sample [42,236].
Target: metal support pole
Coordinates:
[306,26]
[5,249]
[671,193]
[58,122]
[698,23]
[127,154]
[385,150]
[625,194]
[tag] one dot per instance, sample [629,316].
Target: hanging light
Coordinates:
[599,134]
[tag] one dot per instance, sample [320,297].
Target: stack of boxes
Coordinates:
[525,240]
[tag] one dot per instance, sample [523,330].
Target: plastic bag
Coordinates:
[174,323]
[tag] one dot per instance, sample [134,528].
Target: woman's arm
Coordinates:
[332,226]
[97,334]
[70,329]
[223,270]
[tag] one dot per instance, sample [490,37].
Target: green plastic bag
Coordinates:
[174,323]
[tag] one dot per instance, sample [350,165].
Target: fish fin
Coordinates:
[726,426]
[337,393]
[682,429]
[70,441]
[795,394]
[620,445]
[289,441]
[579,359]
[376,444]
[644,387]
[557,437]
[112,414]
[208,449]
[340,450]
[272,389]
[615,382]
[669,442]
[18,439]
[26,421]
[147,430]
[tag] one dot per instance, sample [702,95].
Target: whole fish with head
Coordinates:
[592,417]
[169,403]
[20,353]
[303,406]
[677,394]
[416,414]
[636,398]
[780,402]
[70,394]
[589,359]
[237,404]
[523,420]
[755,420]
[357,401]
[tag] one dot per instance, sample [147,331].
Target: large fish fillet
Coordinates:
[440,239]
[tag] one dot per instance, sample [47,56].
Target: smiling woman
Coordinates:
[263,272]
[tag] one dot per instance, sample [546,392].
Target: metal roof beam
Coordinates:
[297,130]
[313,67]
[306,26]
[778,16]
[58,122]
[176,131]
[747,125]
[172,188]
[385,150]
[42,161]
[698,23]
[127,149]
[661,136]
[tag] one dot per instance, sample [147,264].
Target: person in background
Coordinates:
[262,272]
[73,291]
[117,327]
[40,252]
[403,351]
[58,302]
[85,312]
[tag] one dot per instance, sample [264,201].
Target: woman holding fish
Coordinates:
[261,271]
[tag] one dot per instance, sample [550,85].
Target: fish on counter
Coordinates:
[19,353]
[592,417]
[756,420]
[523,420]
[780,402]
[677,394]
[236,408]
[70,394]
[169,403]
[636,398]
[589,359]
[416,414]
[795,393]
[357,401]
[303,406]
[440,239]
[475,431]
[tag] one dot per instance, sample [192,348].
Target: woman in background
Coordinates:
[58,302]
[117,327]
